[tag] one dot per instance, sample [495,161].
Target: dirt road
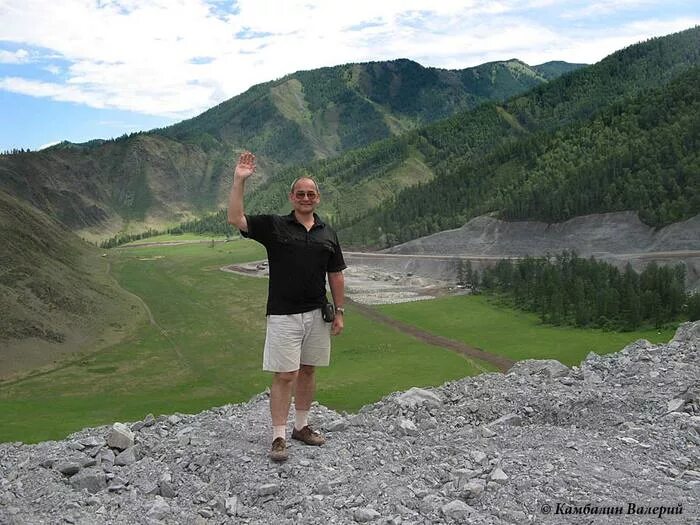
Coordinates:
[502,363]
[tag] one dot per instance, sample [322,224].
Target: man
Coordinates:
[301,250]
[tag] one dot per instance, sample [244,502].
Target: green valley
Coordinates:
[202,348]
[200,339]
[90,336]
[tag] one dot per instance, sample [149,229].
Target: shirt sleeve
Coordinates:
[259,228]
[336,263]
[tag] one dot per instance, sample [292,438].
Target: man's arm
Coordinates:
[336,281]
[245,167]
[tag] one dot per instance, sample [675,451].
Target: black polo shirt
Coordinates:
[299,260]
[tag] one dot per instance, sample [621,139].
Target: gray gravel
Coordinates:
[373,285]
[618,434]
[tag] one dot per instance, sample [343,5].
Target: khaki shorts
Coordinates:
[296,339]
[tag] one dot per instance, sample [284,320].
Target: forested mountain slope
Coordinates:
[322,112]
[175,173]
[617,135]
[639,154]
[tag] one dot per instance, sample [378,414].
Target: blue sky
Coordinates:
[80,69]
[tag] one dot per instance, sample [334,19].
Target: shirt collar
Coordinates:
[318,222]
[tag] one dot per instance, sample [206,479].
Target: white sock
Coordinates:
[301,419]
[279,431]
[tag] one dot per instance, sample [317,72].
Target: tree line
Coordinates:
[570,290]
[213,224]
[15,151]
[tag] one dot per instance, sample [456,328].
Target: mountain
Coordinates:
[145,179]
[626,125]
[556,68]
[640,154]
[99,188]
[320,113]
[56,296]
[621,134]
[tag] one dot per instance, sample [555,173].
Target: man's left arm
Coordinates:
[336,282]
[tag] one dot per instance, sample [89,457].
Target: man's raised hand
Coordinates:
[245,166]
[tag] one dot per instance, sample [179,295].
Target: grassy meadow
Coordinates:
[203,349]
[182,237]
[479,321]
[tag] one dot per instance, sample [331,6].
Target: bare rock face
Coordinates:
[617,238]
[619,434]
[612,233]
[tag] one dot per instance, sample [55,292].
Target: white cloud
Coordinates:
[64,93]
[21,56]
[604,7]
[589,46]
[48,145]
[176,58]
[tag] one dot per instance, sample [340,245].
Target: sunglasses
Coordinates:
[308,194]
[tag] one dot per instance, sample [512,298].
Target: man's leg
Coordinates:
[306,386]
[315,352]
[281,396]
[283,341]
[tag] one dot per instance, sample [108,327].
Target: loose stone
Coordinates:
[457,509]
[268,489]
[120,437]
[365,514]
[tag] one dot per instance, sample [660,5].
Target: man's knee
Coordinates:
[307,370]
[286,377]
[306,373]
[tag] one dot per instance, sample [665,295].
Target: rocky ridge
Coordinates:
[617,238]
[614,440]
[600,234]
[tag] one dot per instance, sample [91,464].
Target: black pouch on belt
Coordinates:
[328,312]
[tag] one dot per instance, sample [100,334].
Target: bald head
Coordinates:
[293,187]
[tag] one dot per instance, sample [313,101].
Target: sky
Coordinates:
[78,69]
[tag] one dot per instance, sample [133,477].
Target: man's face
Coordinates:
[305,197]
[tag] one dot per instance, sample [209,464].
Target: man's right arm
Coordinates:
[245,167]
